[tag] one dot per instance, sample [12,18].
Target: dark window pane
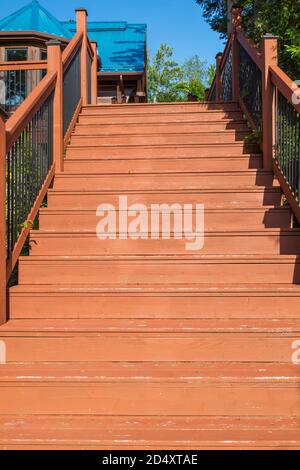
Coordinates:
[15,54]
[43,54]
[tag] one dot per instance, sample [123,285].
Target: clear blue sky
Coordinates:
[178,23]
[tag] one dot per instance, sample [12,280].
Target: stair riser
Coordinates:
[170,139]
[157,273]
[234,199]
[164,166]
[86,221]
[112,151]
[162,108]
[154,128]
[158,182]
[213,244]
[113,347]
[91,305]
[178,118]
[143,400]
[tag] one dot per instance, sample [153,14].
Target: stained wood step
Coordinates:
[158,181]
[159,151]
[145,399]
[193,301]
[180,138]
[77,220]
[90,326]
[150,372]
[160,107]
[160,269]
[264,241]
[149,432]
[159,128]
[161,118]
[164,165]
[236,197]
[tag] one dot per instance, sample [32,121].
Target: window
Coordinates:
[13,55]
[43,54]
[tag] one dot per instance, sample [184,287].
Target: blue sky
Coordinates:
[178,23]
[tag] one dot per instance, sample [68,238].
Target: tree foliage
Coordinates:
[169,81]
[278,17]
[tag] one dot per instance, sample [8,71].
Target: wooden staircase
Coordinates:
[140,344]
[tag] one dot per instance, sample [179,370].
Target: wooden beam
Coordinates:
[94,78]
[81,16]
[23,65]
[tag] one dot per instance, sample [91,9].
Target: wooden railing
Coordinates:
[33,140]
[269,99]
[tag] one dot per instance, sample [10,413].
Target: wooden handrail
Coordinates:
[213,83]
[23,115]
[226,52]
[71,49]
[250,48]
[23,65]
[285,85]
[90,49]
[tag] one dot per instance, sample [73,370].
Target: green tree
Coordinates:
[278,17]
[165,76]
[168,81]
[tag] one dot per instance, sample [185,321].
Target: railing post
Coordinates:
[270,57]
[218,76]
[236,21]
[94,74]
[55,65]
[81,20]
[3,306]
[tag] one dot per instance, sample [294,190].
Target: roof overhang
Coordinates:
[32,36]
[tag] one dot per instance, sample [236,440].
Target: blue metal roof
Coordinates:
[121,46]
[34,17]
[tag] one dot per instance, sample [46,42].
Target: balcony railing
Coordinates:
[270,101]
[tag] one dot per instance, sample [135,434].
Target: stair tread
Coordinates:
[145,431]
[218,258]
[127,325]
[264,373]
[190,289]
[210,232]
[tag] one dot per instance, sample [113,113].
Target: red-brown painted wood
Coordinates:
[140,344]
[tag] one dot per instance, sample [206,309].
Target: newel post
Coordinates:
[94,74]
[218,76]
[270,57]
[3,306]
[81,21]
[236,23]
[54,49]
